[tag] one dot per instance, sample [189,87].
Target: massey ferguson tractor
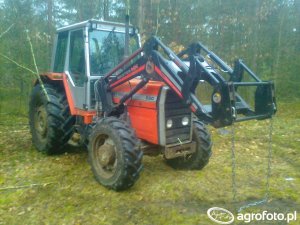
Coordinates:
[123,100]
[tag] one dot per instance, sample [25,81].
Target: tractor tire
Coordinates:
[200,158]
[51,123]
[114,154]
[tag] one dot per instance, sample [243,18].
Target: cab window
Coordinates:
[107,50]
[60,53]
[77,58]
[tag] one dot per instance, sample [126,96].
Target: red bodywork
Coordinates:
[142,108]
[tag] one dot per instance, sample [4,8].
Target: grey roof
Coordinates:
[106,25]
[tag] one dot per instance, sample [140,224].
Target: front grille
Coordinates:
[176,109]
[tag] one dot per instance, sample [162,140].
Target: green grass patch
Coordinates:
[39,189]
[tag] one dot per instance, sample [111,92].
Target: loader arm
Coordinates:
[155,61]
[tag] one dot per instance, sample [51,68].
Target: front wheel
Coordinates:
[200,158]
[115,154]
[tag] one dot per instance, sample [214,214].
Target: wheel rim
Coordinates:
[40,121]
[105,156]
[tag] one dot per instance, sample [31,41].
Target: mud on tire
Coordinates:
[114,154]
[200,158]
[51,123]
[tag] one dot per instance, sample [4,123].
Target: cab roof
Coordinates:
[96,24]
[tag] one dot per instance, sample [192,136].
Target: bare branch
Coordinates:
[32,53]
[19,65]
[9,59]
[36,68]
[1,35]
[37,74]
[26,186]
[157,19]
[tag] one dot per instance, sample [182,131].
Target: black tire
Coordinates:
[51,123]
[200,158]
[114,154]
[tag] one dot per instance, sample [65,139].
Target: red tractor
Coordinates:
[125,100]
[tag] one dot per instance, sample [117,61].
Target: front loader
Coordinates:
[122,100]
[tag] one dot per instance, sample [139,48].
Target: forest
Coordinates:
[266,34]
[60,189]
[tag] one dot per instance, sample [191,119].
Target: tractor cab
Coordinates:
[86,51]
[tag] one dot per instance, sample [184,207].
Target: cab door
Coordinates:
[75,68]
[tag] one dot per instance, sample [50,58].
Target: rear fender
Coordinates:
[60,79]
[49,78]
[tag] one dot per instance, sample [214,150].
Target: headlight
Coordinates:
[185,121]
[169,123]
[217,97]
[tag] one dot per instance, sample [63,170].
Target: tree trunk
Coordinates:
[141,15]
[50,27]
[50,14]
[256,31]
[279,44]
[106,9]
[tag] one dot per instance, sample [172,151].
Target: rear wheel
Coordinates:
[114,154]
[51,124]
[200,158]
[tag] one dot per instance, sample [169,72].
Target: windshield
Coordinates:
[107,50]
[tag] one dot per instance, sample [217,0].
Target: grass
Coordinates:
[65,191]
